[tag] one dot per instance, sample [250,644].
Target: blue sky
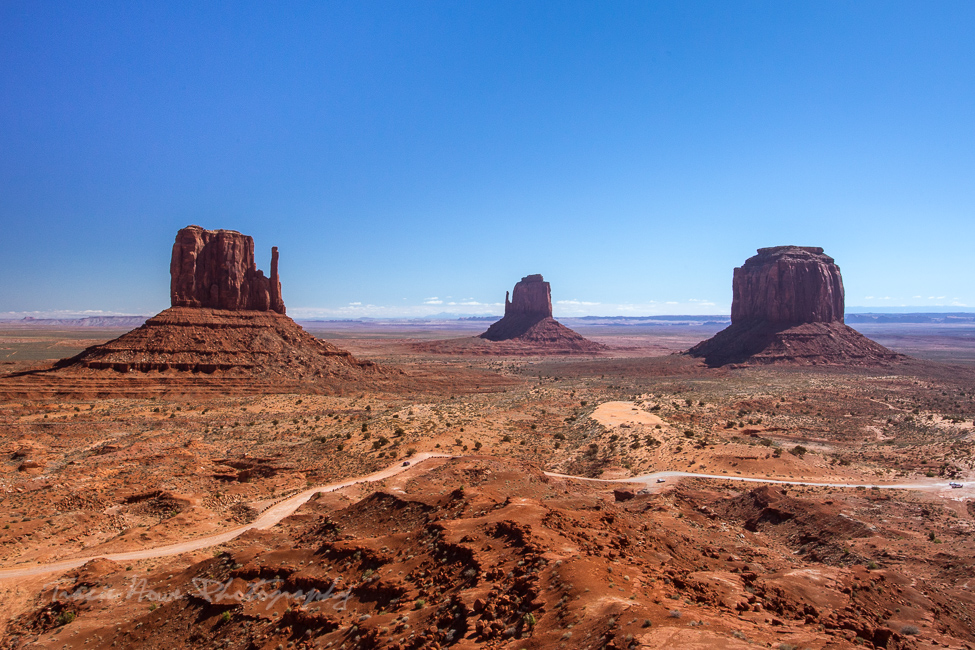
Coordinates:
[411,158]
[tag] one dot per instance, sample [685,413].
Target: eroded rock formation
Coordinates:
[788,284]
[787,307]
[528,320]
[532,297]
[216,268]
[227,322]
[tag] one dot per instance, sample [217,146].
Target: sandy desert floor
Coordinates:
[490,547]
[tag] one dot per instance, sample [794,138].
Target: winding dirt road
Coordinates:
[286,507]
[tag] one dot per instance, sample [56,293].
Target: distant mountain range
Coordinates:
[852,317]
[106,322]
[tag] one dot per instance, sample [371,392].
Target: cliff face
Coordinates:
[216,269]
[788,285]
[532,297]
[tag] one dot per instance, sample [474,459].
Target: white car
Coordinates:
[660,480]
[956,485]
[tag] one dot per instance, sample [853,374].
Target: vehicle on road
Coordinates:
[406,463]
[956,485]
[660,480]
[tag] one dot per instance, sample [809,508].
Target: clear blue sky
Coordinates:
[409,155]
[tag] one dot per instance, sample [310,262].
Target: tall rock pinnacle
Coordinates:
[216,269]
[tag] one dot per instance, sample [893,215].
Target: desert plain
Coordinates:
[567,501]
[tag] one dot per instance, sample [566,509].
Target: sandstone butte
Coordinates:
[215,268]
[227,320]
[528,320]
[787,307]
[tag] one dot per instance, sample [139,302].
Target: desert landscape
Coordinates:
[437,325]
[402,487]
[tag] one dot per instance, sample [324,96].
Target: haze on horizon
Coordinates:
[411,159]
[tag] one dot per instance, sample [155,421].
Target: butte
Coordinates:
[787,307]
[527,328]
[226,331]
[528,321]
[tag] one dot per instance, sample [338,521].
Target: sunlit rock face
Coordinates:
[788,284]
[216,269]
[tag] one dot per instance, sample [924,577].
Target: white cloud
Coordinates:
[433,301]
[577,302]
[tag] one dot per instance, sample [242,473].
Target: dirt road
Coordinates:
[286,507]
[268,518]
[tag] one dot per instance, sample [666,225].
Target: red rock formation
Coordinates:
[215,268]
[228,322]
[532,297]
[788,307]
[788,284]
[528,320]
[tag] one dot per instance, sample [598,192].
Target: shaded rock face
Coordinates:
[216,269]
[532,297]
[789,285]
[788,308]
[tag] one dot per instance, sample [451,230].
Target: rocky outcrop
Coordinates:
[788,284]
[216,269]
[532,297]
[787,307]
[528,321]
[226,328]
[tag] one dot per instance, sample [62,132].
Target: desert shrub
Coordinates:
[674,613]
[798,450]
[65,617]
[910,630]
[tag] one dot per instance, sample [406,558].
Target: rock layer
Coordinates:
[787,307]
[207,341]
[216,269]
[788,284]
